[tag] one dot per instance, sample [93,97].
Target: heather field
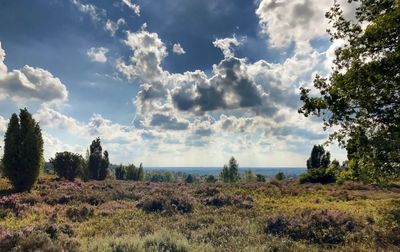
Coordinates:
[115,215]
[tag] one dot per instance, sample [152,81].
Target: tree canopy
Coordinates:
[361,97]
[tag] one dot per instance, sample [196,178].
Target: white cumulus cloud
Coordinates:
[97,54]
[178,49]
[30,83]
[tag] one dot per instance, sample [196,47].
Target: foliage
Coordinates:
[260,178]
[319,169]
[131,172]
[98,161]
[319,158]
[361,97]
[249,176]
[189,179]
[211,179]
[106,216]
[323,227]
[23,151]
[68,165]
[79,213]
[280,176]
[230,172]
[159,176]
[167,202]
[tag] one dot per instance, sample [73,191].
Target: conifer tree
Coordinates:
[23,151]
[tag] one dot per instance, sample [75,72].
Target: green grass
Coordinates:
[106,216]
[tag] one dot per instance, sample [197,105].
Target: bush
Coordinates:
[189,179]
[79,213]
[280,176]
[68,165]
[167,203]
[23,151]
[322,227]
[323,176]
[220,200]
[260,178]
[211,179]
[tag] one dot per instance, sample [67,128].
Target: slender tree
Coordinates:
[233,170]
[23,151]
[224,175]
[141,173]
[98,161]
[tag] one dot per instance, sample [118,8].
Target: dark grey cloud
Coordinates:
[168,122]
[229,88]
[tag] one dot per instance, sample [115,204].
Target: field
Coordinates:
[142,216]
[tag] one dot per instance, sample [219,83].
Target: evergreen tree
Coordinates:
[23,151]
[141,173]
[189,179]
[233,170]
[224,175]
[319,158]
[230,172]
[120,172]
[319,169]
[98,161]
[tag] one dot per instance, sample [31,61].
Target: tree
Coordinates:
[23,151]
[68,165]
[98,161]
[211,179]
[224,175]
[260,178]
[120,172]
[189,179]
[230,172]
[233,170]
[249,176]
[361,97]
[141,173]
[280,176]
[319,158]
[319,169]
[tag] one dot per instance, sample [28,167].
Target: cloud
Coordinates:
[168,122]
[3,125]
[226,45]
[97,54]
[113,27]
[95,13]
[297,21]
[51,118]
[30,83]
[52,145]
[132,6]
[148,53]
[178,49]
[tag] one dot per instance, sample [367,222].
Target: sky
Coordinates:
[168,83]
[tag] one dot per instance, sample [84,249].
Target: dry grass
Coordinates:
[143,216]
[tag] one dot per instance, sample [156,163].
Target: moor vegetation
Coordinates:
[87,204]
